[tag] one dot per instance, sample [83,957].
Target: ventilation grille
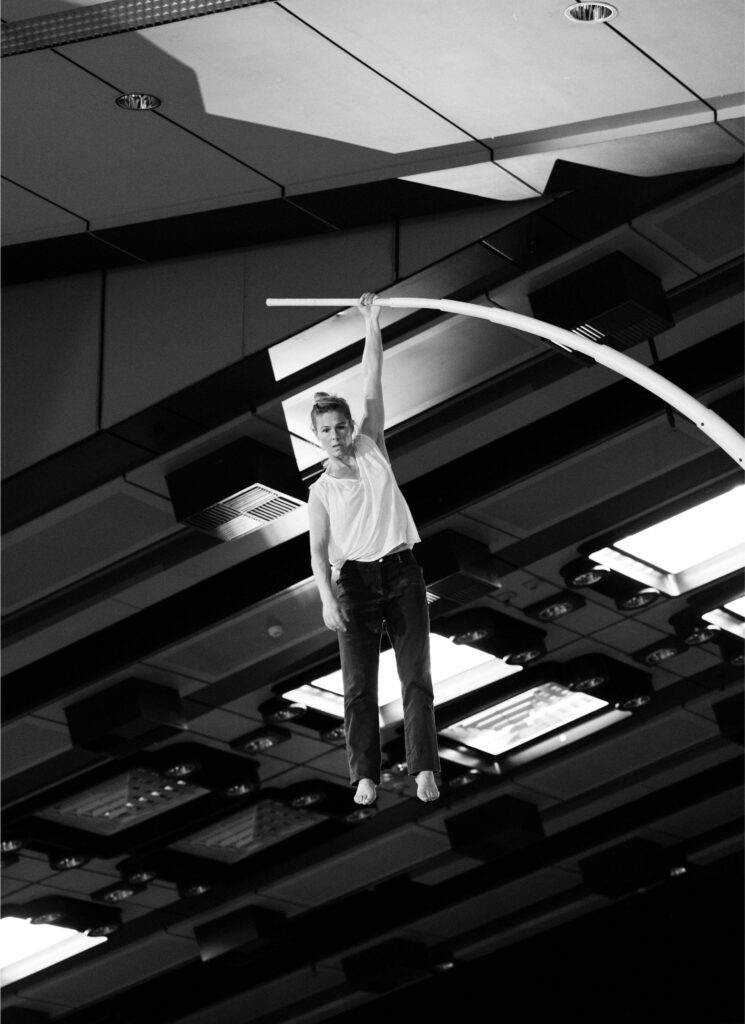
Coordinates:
[613,298]
[123,801]
[255,828]
[243,512]
[629,323]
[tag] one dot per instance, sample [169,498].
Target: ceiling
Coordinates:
[489,152]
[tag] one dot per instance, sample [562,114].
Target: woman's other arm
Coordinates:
[333,614]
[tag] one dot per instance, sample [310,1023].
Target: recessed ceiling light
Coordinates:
[688,550]
[137,101]
[587,12]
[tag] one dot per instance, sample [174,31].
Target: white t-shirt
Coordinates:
[368,517]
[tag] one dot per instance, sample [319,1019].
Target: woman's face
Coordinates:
[334,432]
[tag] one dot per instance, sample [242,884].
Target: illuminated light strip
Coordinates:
[725,436]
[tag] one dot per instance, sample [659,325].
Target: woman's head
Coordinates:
[323,402]
[332,423]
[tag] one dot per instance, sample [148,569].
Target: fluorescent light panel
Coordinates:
[26,948]
[687,550]
[456,669]
[522,718]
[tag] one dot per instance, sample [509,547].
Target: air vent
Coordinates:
[122,802]
[613,298]
[254,828]
[456,569]
[221,495]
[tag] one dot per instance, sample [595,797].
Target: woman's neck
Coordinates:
[343,465]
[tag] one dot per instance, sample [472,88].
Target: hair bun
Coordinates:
[319,395]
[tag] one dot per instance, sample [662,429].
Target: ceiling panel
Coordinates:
[532,57]
[166,170]
[703,231]
[674,33]
[499,902]
[27,216]
[484,179]
[665,152]
[236,105]
[29,742]
[593,476]
[381,858]
[121,520]
[300,987]
[155,954]
[651,741]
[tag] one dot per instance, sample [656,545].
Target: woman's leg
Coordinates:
[359,649]
[407,623]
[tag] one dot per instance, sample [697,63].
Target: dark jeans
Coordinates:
[389,591]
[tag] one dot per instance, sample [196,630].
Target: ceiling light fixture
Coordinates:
[361,814]
[29,948]
[555,606]
[261,740]
[655,654]
[590,13]
[118,892]
[583,572]
[190,890]
[137,875]
[36,935]
[731,648]
[691,628]
[137,101]
[522,718]
[548,707]
[730,616]
[67,861]
[514,641]
[684,551]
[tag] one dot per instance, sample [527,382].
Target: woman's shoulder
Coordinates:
[363,444]
[319,484]
[376,449]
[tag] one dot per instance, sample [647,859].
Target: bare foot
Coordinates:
[426,787]
[366,792]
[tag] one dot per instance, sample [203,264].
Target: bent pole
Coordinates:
[707,421]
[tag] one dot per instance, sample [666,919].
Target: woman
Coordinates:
[361,535]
